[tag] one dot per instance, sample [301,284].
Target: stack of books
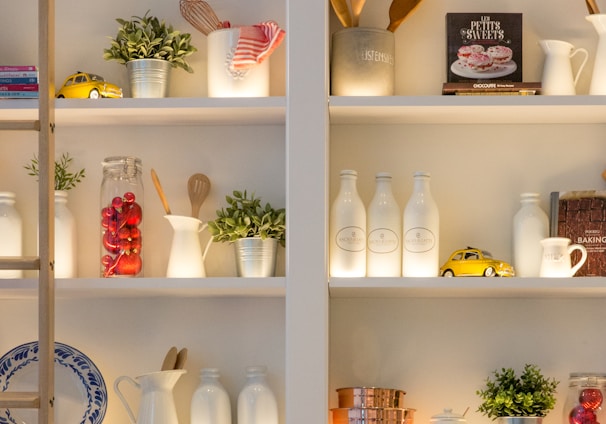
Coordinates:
[18,82]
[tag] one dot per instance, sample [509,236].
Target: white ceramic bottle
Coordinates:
[210,402]
[421,234]
[11,243]
[256,401]
[530,226]
[65,238]
[384,229]
[348,230]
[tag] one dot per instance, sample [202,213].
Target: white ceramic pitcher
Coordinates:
[558,77]
[186,259]
[157,404]
[598,77]
[556,260]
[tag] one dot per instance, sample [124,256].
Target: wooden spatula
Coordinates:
[356,10]
[399,11]
[342,12]
[170,359]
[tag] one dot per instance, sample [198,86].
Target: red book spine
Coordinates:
[18,87]
[18,68]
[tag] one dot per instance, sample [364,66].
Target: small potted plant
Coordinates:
[65,223]
[255,230]
[147,45]
[510,398]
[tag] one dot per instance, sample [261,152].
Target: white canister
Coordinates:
[226,82]
[11,230]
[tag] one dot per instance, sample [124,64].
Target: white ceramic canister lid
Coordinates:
[448,417]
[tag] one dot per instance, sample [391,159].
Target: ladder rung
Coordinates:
[20,125]
[19,262]
[19,400]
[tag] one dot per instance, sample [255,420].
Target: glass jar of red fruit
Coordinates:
[121,217]
[585,397]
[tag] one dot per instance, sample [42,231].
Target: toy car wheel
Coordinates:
[448,273]
[94,94]
[489,272]
[60,96]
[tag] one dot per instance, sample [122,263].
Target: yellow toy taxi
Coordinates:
[83,85]
[473,262]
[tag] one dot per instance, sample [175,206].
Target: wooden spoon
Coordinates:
[342,12]
[198,187]
[399,11]
[181,359]
[356,10]
[156,181]
[170,359]
[592,7]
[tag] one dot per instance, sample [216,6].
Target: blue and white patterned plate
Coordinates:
[80,392]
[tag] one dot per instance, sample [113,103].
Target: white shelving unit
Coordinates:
[436,338]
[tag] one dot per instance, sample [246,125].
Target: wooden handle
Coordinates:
[156,181]
[592,7]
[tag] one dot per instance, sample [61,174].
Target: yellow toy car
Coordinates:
[83,85]
[475,262]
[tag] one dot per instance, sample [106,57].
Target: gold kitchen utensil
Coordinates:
[170,359]
[156,181]
[342,12]
[198,187]
[399,11]
[200,15]
[356,10]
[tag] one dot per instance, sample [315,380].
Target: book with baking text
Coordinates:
[483,46]
[581,217]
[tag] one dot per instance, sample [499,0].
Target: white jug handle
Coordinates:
[579,264]
[578,74]
[133,420]
[208,243]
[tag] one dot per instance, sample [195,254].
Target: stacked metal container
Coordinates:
[371,405]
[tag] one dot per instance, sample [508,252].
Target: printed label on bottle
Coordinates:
[419,240]
[383,240]
[351,239]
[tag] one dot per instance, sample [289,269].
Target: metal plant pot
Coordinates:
[519,420]
[256,257]
[148,78]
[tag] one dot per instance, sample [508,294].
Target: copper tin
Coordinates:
[372,416]
[370,397]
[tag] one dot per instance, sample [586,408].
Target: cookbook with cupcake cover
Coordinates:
[484,48]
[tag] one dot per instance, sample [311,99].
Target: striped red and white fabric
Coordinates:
[256,43]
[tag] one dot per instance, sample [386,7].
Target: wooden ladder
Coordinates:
[43,399]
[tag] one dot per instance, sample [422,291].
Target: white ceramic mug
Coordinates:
[556,260]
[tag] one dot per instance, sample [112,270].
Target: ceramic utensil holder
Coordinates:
[226,82]
[362,62]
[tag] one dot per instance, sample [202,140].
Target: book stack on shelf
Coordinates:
[18,82]
[484,55]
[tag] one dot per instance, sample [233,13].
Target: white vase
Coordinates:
[210,402]
[384,227]
[421,231]
[65,238]
[11,243]
[256,402]
[598,77]
[530,226]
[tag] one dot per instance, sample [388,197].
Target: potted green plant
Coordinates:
[256,230]
[510,398]
[65,223]
[147,45]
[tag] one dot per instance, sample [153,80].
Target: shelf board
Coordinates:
[148,287]
[468,110]
[165,111]
[468,287]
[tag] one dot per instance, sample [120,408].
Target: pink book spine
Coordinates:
[18,68]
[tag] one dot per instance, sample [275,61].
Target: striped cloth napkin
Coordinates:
[255,44]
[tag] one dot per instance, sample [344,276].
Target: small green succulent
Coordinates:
[246,217]
[507,395]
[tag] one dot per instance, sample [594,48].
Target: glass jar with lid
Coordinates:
[584,399]
[121,217]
